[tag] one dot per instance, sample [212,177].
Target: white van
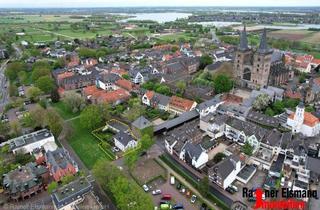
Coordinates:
[172,180]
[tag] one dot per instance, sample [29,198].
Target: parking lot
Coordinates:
[177,196]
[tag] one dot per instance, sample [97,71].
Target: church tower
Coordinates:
[299,114]
[262,63]
[243,60]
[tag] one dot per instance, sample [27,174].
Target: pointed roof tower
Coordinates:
[243,40]
[263,47]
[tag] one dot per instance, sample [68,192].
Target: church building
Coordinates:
[261,67]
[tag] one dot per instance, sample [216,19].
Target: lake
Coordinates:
[159,17]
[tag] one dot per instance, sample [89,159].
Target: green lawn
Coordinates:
[64,111]
[85,145]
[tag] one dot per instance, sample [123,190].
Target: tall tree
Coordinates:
[222,84]
[90,117]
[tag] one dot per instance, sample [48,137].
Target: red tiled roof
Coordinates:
[119,72]
[126,84]
[292,94]
[149,94]
[181,103]
[309,119]
[65,75]
[106,96]
[230,98]
[317,80]
[316,61]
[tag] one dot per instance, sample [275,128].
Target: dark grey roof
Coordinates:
[313,164]
[276,56]
[301,104]
[212,102]
[225,167]
[247,127]
[141,123]
[160,99]
[24,177]
[184,117]
[123,137]
[108,77]
[217,119]
[59,159]
[263,119]
[29,138]
[273,138]
[263,47]
[214,66]
[243,40]
[70,192]
[193,151]
[277,165]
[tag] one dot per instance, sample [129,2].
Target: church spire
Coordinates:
[263,47]
[243,39]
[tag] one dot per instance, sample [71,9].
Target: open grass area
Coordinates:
[176,37]
[85,145]
[9,19]
[63,110]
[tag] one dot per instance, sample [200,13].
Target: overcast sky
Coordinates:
[123,3]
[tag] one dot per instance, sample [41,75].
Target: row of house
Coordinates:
[174,104]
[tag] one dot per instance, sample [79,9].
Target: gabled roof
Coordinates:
[193,151]
[309,119]
[59,159]
[124,138]
[212,102]
[225,167]
[141,123]
[181,103]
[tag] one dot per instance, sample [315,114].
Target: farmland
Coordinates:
[312,37]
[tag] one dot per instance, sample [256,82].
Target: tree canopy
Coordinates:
[222,84]
[127,194]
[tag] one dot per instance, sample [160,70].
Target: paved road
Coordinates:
[4,95]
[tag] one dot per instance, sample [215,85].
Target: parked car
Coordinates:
[165,206]
[282,181]
[193,198]
[234,187]
[156,192]
[166,197]
[188,193]
[203,206]
[183,190]
[145,188]
[164,202]
[179,186]
[178,206]
[230,190]
[172,180]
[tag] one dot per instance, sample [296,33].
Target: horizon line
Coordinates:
[90,7]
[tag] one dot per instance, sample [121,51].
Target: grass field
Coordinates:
[63,110]
[12,19]
[85,145]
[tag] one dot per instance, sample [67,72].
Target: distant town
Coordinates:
[159,108]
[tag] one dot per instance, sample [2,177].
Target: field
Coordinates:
[312,37]
[147,170]
[63,110]
[85,145]
[12,19]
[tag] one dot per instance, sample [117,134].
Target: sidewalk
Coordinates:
[185,183]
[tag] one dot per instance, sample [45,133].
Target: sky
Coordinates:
[134,3]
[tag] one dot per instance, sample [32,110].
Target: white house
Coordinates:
[225,172]
[214,124]
[194,155]
[303,122]
[124,141]
[209,106]
[156,100]
[27,143]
